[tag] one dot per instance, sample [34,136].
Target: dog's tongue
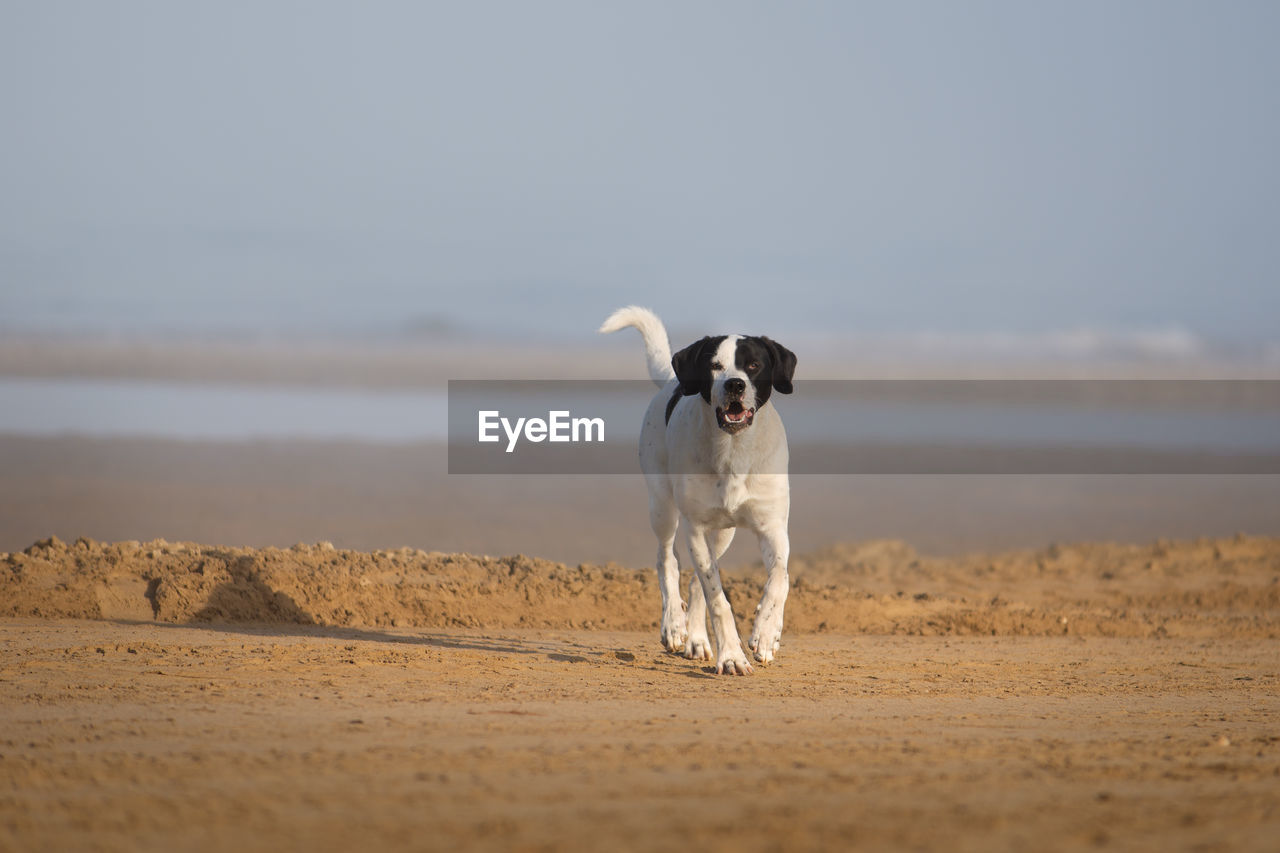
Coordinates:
[735,413]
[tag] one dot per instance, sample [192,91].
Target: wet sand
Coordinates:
[369,496]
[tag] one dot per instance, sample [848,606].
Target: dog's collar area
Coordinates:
[735,417]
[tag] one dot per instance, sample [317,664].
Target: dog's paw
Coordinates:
[766,636]
[674,639]
[674,632]
[764,652]
[733,661]
[764,642]
[698,648]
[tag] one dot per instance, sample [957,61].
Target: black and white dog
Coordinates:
[714,455]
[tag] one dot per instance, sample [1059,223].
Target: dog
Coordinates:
[714,456]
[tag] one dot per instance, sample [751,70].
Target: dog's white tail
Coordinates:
[657,348]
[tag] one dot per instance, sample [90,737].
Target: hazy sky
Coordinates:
[953,167]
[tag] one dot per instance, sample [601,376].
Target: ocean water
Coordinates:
[910,413]
[217,412]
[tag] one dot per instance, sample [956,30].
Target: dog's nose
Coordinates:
[735,386]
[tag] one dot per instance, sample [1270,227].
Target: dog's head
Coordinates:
[735,374]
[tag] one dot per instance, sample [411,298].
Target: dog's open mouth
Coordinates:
[734,417]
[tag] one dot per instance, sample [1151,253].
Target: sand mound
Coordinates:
[1202,588]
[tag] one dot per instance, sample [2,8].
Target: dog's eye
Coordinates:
[753,367]
[715,365]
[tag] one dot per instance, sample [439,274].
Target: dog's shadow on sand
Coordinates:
[247,605]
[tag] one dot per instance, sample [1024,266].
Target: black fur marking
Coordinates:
[775,365]
[671,405]
[693,366]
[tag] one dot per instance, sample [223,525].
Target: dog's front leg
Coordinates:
[730,658]
[766,636]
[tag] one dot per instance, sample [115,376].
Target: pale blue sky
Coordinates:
[523,168]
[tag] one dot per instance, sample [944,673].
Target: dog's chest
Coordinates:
[731,492]
[715,500]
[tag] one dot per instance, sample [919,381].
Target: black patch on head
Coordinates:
[693,366]
[774,363]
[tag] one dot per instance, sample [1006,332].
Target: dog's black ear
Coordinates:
[784,365]
[693,369]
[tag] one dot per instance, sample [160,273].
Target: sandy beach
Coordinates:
[328,645]
[160,695]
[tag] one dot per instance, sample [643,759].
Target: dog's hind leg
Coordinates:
[665,519]
[730,658]
[699,647]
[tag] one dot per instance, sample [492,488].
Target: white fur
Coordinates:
[729,370]
[708,483]
[657,349]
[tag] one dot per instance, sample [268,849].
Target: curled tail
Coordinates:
[657,349]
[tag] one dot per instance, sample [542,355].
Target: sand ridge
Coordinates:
[1221,587]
